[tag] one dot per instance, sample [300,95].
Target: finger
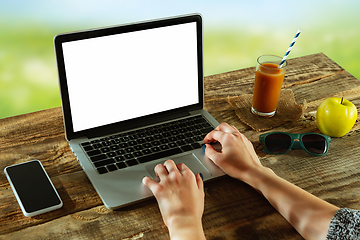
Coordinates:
[214,136]
[236,131]
[211,153]
[182,167]
[151,184]
[170,166]
[209,137]
[221,125]
[161,171]
[225,127]
[185,170]
[199,182]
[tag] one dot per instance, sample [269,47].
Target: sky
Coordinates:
[235,33]
[278,13]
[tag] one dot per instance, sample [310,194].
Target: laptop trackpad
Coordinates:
[189,160]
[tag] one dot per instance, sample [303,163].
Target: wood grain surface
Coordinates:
[233,210]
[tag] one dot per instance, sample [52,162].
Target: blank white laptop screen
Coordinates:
[129,75]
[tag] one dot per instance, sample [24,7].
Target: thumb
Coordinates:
[211,153]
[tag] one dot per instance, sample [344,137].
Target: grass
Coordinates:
[226,50]
[28,77]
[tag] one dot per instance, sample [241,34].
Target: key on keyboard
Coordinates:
[128,149]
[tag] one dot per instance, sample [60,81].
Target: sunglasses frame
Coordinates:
[295,144]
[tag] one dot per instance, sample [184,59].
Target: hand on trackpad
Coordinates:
[189,160]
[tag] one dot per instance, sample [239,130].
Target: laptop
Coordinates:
[133,97]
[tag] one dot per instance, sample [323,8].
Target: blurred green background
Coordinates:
[235,34]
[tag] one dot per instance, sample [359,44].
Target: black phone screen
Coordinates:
[33,186]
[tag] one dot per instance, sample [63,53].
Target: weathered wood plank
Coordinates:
[74,189]
[233,210]
[325,87]
[38,135]
[30,128]
[144,219]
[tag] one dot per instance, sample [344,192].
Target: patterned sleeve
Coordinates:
[345,224]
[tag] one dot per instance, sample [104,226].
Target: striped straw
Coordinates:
[289,49]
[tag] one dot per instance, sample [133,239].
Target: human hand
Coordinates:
[309,215]
[180,195]
[237,157]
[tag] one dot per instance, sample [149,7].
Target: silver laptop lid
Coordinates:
[121,77]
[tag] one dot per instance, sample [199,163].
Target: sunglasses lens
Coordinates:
[314,143]
[277,142]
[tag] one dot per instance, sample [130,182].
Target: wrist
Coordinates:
[185,228]
[258,177]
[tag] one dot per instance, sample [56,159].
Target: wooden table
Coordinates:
[233,210]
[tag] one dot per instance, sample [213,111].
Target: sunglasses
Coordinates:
[280,142]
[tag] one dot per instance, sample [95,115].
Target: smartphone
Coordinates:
[33,188]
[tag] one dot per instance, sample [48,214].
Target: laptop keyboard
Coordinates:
[140,146]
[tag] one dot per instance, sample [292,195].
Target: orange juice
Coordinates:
[268,83]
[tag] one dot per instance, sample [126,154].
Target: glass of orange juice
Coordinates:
[268,82]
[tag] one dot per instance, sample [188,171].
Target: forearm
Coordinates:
[309,215]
